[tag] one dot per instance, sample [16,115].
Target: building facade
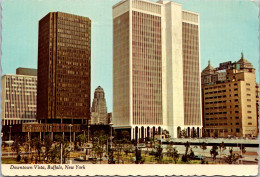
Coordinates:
[230,95]
[99,107]
[64,53]
[19,93]
[156,60]
[64,69]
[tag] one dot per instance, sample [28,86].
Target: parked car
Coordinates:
[198,157]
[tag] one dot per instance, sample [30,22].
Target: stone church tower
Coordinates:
[99,108]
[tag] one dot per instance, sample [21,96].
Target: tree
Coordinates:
[126,135]
[37,144]
[185,157]
[191,154]
[17,147]
[61,141]
[166,133]
[99,140]
[47,143]
[138,156]
[81,139]
[231,158]
[222,147]
[172,152]
[214,152]
[158,153]
[203,146]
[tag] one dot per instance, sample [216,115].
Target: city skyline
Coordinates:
[235,23]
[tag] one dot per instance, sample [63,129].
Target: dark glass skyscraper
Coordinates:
[64,69]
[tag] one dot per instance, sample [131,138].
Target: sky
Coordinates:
[227,28]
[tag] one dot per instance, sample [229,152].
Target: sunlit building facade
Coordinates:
[19,93]
[156,60]
[230,100]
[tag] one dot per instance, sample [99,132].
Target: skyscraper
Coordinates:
[156,61]
[64,69]
[19,93]
[230,99]
[99,107]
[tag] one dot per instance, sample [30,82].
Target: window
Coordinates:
[237,117]
[249,117]
[237,123]
[237,130]
[249,106]
[249,111]
[235,94]
[248,99]
[236,106]
[236,111]
[248,84]
[249,123]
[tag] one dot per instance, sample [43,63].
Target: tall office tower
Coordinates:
[229,99]
[99,107]
[156,60]
[19,92]
[64,69]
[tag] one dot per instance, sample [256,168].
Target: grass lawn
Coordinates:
[11,161]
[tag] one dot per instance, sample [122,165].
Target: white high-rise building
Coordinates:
[156,69]
[19,93]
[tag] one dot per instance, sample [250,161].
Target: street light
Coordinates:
[10,135]
[111,124]
[88,131]
[30,127]
[70,132]
[84,136]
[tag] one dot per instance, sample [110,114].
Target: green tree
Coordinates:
[231,158]
[222,148]
[191,154]
[172,152]
[203,146]
[126,135]
[47,143]
[99,140]
[64,143]
[214,152]
[158,153]
[138,156]
[185,157]
[16,147]
[37,144]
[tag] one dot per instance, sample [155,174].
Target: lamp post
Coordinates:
[70,132]
[10,135]
[111,124]
[84,136]
[30,128]
[9,143]
[88,131]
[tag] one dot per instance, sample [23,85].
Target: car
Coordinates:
[198,157]
[80,159]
